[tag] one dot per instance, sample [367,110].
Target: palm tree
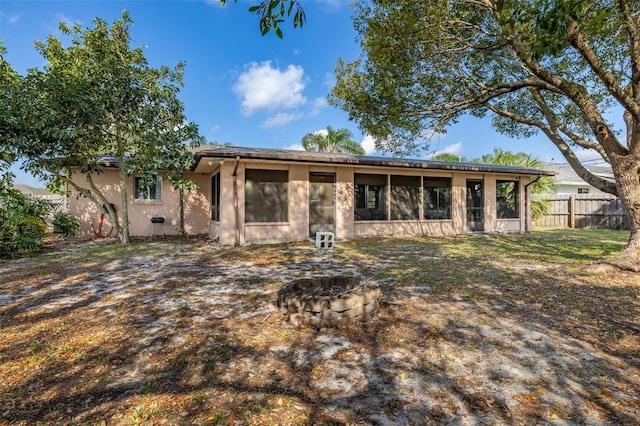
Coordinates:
[539,207]
[446,156]
[336,141]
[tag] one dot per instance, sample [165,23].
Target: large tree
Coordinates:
[567,69]
[94,103]
[333,140]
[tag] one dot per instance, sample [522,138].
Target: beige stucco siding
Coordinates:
[344,202]
[298,202]
[140,212]
[231,227]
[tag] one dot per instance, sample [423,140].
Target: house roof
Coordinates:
[565,175]
[233,152]
[31,191]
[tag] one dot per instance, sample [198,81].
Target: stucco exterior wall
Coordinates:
[196,204]
[232,229]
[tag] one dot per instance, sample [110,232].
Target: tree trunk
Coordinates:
[626,169]
[181,214]
[124,232]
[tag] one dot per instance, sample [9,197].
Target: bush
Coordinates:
[65,224]
[22,220]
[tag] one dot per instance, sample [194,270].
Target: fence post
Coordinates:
[572,211]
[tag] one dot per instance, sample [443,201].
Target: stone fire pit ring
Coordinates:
[328,301]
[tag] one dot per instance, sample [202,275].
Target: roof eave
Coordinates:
[305,157]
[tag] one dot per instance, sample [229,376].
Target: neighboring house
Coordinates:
[59,201]
[41,194]
[567,180]
[249,195]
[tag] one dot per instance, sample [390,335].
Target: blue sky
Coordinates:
[239,87]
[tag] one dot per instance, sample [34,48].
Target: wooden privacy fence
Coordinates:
[602,211]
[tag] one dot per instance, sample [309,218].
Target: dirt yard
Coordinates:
[500,330]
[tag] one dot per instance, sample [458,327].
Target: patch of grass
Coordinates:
[142,414]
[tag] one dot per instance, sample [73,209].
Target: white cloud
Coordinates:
[369,144]
[280,119]
[329,80]
[318,105]
[295,147]
[323,132]
[263,87]
[69,22]
[455,149]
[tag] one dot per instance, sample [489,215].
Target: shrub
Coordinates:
[22,220]
[65,224]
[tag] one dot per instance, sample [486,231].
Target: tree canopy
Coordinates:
[567,69]
[334,140]
[95,100]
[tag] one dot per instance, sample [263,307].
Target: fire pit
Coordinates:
[326,301]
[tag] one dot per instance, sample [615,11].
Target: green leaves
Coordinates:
[272,13]
[98,97]
[338,141]
[22,220]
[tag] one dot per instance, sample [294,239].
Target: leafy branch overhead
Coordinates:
[272,13]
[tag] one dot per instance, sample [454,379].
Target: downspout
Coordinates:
[236,206]
[527,204]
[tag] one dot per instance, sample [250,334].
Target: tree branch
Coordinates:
[565,149]
[580,44]
[555,126]
[574,92]
[634,46]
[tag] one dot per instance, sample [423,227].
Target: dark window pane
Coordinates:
[437,198]
[370,193]
[145,189]
[405,197]
[507,199]
[266,195]
[215,197]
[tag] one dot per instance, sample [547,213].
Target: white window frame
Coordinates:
[158,186]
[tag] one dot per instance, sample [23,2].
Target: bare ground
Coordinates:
[472,330]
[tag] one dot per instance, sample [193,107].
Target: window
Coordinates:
[215,197]
[437,198]
[507,199]
[266,195]
[147,188]
[405,197]
[583,190]
[370,193]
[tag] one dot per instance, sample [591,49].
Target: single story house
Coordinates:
[567,180]
[259,195]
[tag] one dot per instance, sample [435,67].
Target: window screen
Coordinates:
[507,199]
[370,193]
[437,198]
[266,195]
[405,197]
